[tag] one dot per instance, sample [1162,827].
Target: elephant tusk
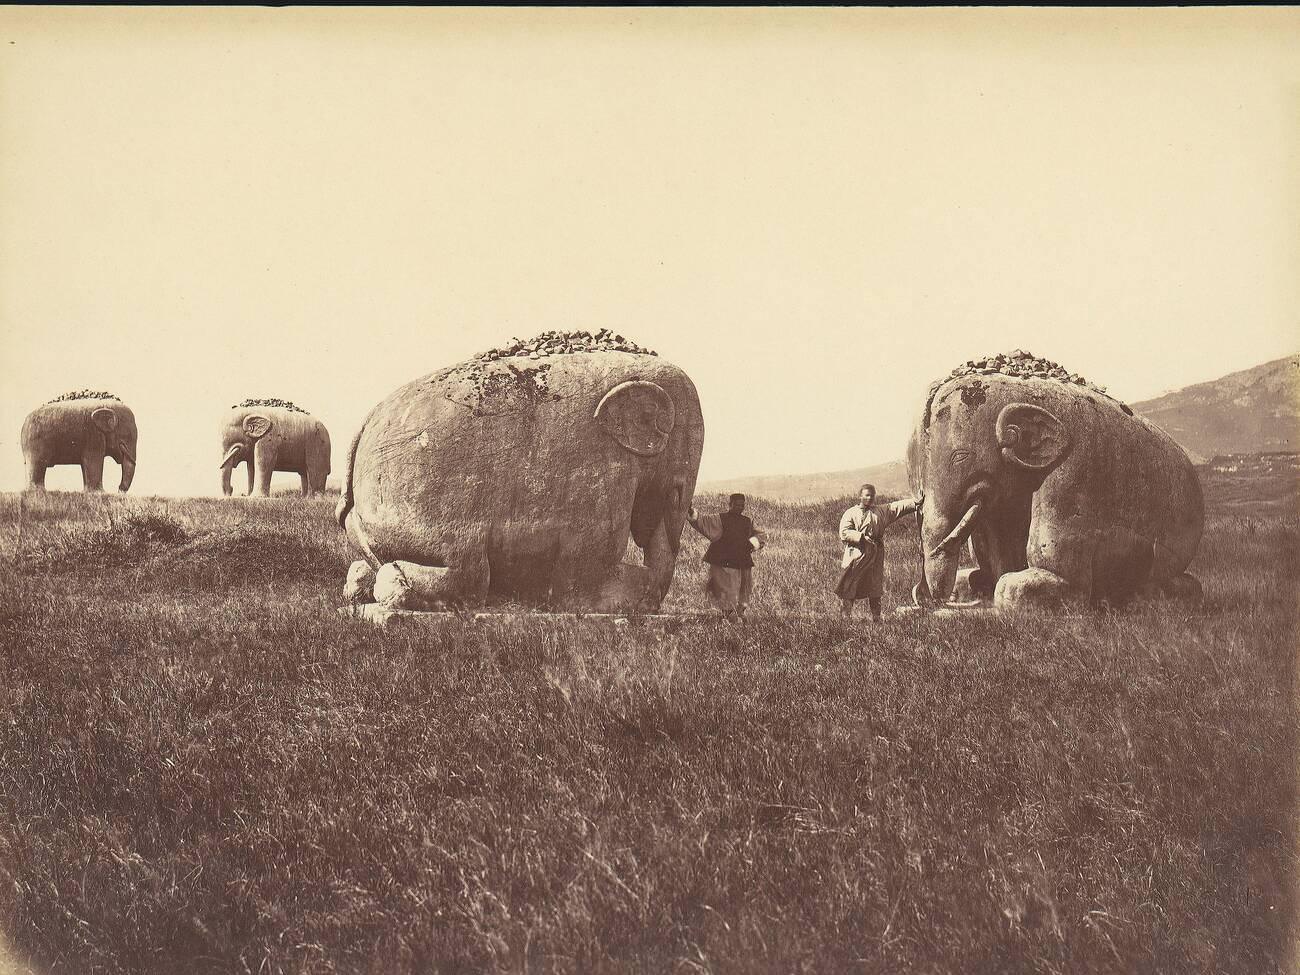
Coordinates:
[960,533]
[231,455]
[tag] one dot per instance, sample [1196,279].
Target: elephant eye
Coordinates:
[960,456]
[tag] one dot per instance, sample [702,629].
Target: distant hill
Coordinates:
[1253,411]
[890,478]
[1249,412]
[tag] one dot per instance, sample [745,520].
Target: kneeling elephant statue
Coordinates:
[519,476]
[1066,496]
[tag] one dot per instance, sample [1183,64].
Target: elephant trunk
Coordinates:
[126,460]
[940,576]
[941,559]
[228,466]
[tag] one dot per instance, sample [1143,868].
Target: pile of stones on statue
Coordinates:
[283,404]
[560,343]
[83,394]
[1026,365]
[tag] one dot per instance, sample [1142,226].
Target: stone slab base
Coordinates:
[379,615]
[972,608]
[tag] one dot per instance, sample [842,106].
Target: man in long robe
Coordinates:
[862,567]
[733,539]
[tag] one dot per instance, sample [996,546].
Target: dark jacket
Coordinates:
[732,550]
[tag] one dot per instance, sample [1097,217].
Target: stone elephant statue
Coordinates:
[270,436]
[83,429]
[1066,496]
[521,474]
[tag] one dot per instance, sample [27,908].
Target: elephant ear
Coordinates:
[257,426]
[105,419]
[1031,437]
[639,415]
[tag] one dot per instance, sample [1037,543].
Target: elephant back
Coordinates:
[1138,475]
[292,421]
[64,425]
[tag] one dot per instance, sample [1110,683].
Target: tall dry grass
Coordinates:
[206,769]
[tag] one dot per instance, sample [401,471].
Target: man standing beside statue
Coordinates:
[733,540]
[862,567]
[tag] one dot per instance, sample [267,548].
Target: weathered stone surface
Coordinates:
[1065,496]
[270,436]
[80,428]
[410,586]
[524,478]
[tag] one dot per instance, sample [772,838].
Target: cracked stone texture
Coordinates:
[1116,510]
[499,470]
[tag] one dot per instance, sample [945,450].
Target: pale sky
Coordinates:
[813,212]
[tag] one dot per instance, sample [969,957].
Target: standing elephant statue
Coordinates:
[521,473]
[270,435]
[1066,497]
[80,428]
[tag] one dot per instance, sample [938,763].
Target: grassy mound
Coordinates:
[125,541]
[252,554]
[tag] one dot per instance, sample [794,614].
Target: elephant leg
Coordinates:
[92,471]
[972,584]
[1035,590]
[661,561]
[628,589]
[1182,587]
[306,487]
[264,454]
[360,585]
[249,464]
[564,588]
[410,586]
[36,475]
[317,467]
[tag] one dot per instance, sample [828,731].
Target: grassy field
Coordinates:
[204,768]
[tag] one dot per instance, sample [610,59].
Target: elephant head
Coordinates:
[978,455]
[117,428]
[241,439]
[639,416]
